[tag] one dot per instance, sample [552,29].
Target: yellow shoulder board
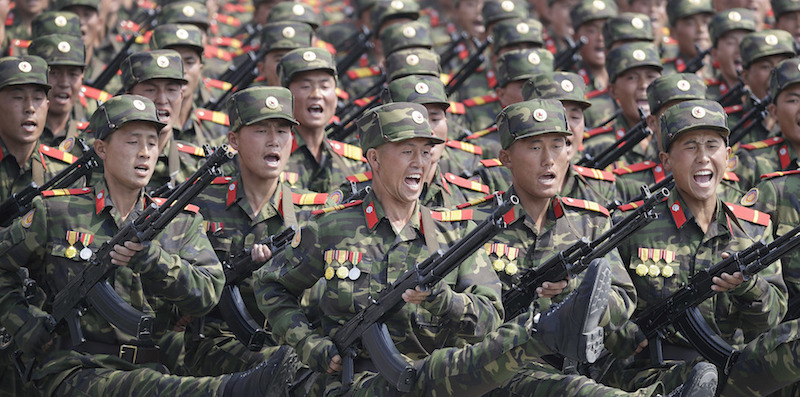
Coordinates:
[309,198]
[594,173]
[585,205]
[191,149]
[748,214]
[778,173]
[336,207]
[212,116]
[51,152]
[347,150]
[476,201]
[452,216]
[467,147]
[762,144]
[66,192]
[466,183]
[188,208]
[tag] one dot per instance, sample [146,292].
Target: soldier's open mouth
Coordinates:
[413,180]
[163,115]
[141,170]
[272,160]
[29,125]
[315,109]
[703,177]
[547,178]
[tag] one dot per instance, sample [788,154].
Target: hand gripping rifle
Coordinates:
[754,115]
[366,325]
[566,59]
[577,257]
[467,69]
[20,203]
[680,309]
[113,66]
[91,284]
[612,153]
[231,305]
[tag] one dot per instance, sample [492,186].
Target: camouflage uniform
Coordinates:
[495,11]
[736,19]
[676,10]
[627,27]
[517,32]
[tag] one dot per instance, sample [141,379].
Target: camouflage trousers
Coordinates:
[11,383]
[767,364]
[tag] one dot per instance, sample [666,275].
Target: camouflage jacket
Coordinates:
[338,161]
[460,158]
[359,253]
[43,165]
[487,139]
[763,157]
[205,127]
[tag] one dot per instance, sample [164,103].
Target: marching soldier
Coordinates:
[787,16]
[688,24]
[727,30]
[278,38]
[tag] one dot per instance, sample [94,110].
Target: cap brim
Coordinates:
[273,117]
[158,124]
[411,134]
[724,132]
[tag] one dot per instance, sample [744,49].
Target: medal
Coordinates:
[511,269]
[654,271]
[71,252]
[86,253]
[328,273]
[354,274]
[72,237]
[641,269]
[342,272]
[498,265]
[667,271]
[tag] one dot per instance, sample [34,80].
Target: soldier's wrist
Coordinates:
[748,291]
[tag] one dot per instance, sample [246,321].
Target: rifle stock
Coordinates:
[466,70]
[632,137]
[569,57]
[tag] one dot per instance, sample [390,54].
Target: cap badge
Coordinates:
[639,55]
[409,32]
[64,47]
[599,5]
[309,56]
[396,4]
[412,59]
[567,86]
[540,114]
[182,34]
[24,67]
[698,112]
[533,58]
[138,104]
[637,23]
[162,62]
[683,85]
[421,88]
[298,9]
[288,32]
[771,39]
[735,16]
[60,21]
[694,1]
[507,6]
[523,28]
[417,117]
[188,11]
[271,102]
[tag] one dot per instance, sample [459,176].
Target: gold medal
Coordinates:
[498,265]
[72,238]
[342,272]
[653,271]
[641,269]
[667,271]
[328,273]
[511,269]
[71,252]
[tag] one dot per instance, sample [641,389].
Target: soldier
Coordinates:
[21,18]
[727,30]
[559,28]
[320,163]
[179,266]
[787,17]
[656,10]
[625,28]
[278,38]
[688,24]
[380,238]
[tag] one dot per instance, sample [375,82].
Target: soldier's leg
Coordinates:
[11,383]
[219,352]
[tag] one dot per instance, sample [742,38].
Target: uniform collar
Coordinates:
[103,202]
[374,214]
[681,215]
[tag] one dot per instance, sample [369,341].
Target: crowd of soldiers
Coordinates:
[165,151]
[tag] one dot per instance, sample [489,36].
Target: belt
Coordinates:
[671,352]
[131,353]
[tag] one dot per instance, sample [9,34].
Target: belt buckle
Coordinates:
[125,350]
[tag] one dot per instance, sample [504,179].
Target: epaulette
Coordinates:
[325,46]
[452,216]
[188,208]
[489,163]
[342,94]
[245,50]
[445,78]
[779,173]
[94,93]
[762,144]
[221,180]
[82,125]
[364,101]
[130,26]
[336,207]
[369,71]
[476,201]
[309,198]
[466,183]
[596,93]
[712,81]
[467,147]
[457,108]
[191,149]
[212,116]
[597,131]
[52,152]
[18,43]
[630,206]
[481,133]
[218,84]
[730,176]
[228,20]
[66,192]
[211,51]
[362,177]
[143,39]
[631,168]
[480,100]
[750,215]
[346,150]
[594,173]
[733,109]
[227,42]
[584,205]
[238,8]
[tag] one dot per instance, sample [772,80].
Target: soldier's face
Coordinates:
[398,168]
[698,160]
[726,53]
[66,82]
[787,110]
[91,26]
[790,22]
[24,114]
[576,126]
[560,21]
[134,151]
[166,94]
[31,7]
[692,30]
[192,69]
[757,75]
[438,122]
[469,18]
[655,9]
[594,51]
[268,67]
[630,90]
[264,148]
[538,165]
[314,98]
[511,93]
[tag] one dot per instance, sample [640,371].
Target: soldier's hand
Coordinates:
[335,365]
[121,255]
[260,253]
[416,295]
[727,282]
[549,290]
[35,337]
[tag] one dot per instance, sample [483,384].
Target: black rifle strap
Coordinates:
[429,230]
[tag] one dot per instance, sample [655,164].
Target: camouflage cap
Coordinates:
[189,12]
[304,60]
[757,45]
[628,26]
[784,74]
[289,11]
[733,19]
[590,10]
[523,64]
[25,69]
[564,86]
[498,10]
[385,10]
[412,61]
[632,55]
[120,110]
[285,36]
[363,5]
[676,86]
[405,35]
[56,22]
[531,118]
[515,31]
[62,4]
[59,50]
[394,122]
[677,9]
[254,104]
[173,34]
[418,89]
[692,115]
[156,64]
[780,7]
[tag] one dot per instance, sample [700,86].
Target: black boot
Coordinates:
[269,378]
[702,382]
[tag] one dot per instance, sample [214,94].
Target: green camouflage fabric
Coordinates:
[155,64]
[628,26]
[120,110]
[677,9]
[591,10]
[185,12]
[394,122]
[672,87]
[757,45]
[254,104]
[780,7]
[304,60]
[733,19]
[785,73]
[178,272]
[56,22]
[494,11]
[294,12]
[324,175]
[173,34]
[362,5]
[517,65]
[705,115]
[26,69]
[385,10]
[763,157]
[632,55]
[596,144]
[418,89]
[285,36]
[564,86]
[62,4]
[59,50]
[412,61]
[39,168]
[516,31]
[401,36]
[531,118]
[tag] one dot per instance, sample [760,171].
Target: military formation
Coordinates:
[400,197]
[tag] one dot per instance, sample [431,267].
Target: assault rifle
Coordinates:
[468,68]
[113,66]
[360,46]
[90,284]
[632,137]
[577,257]
[734,95]
[566,59]
[231,305]
[456,39]
[680,309]
[754,115]
[366,325]
[697,63]
[243,75]
[667,183]
[20,203]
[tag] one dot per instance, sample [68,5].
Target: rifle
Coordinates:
[697,63]
[667,183]
[366,324]
[610,119]
[360,47]
[632,137]
[242,76]
[734,95]
[340,130]
[754,115]
[231,305]
[467,69]
[91,284]
[566,59]
[113,66]
[680,309]
[456,39]
[576,258]
[20,203]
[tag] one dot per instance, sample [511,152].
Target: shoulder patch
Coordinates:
[749,198]
[594,173]
[191,149]
[452,216]
[466,183]
[629,169]
[66,192]
[336,207]
[748,214]
[489,163]
[188,208]
[598,131]
[212,116]
[584,204]
[779,173]
[475,201]
[309,198]
[464,146]
[347,150]
[762,144]
[54,153]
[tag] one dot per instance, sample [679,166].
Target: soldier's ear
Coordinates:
[100,148]
[665,161]
[505,158]
[771,108]
[612,91]
[233,139]
[372,158]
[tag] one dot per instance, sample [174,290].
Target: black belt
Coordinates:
[131,353]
